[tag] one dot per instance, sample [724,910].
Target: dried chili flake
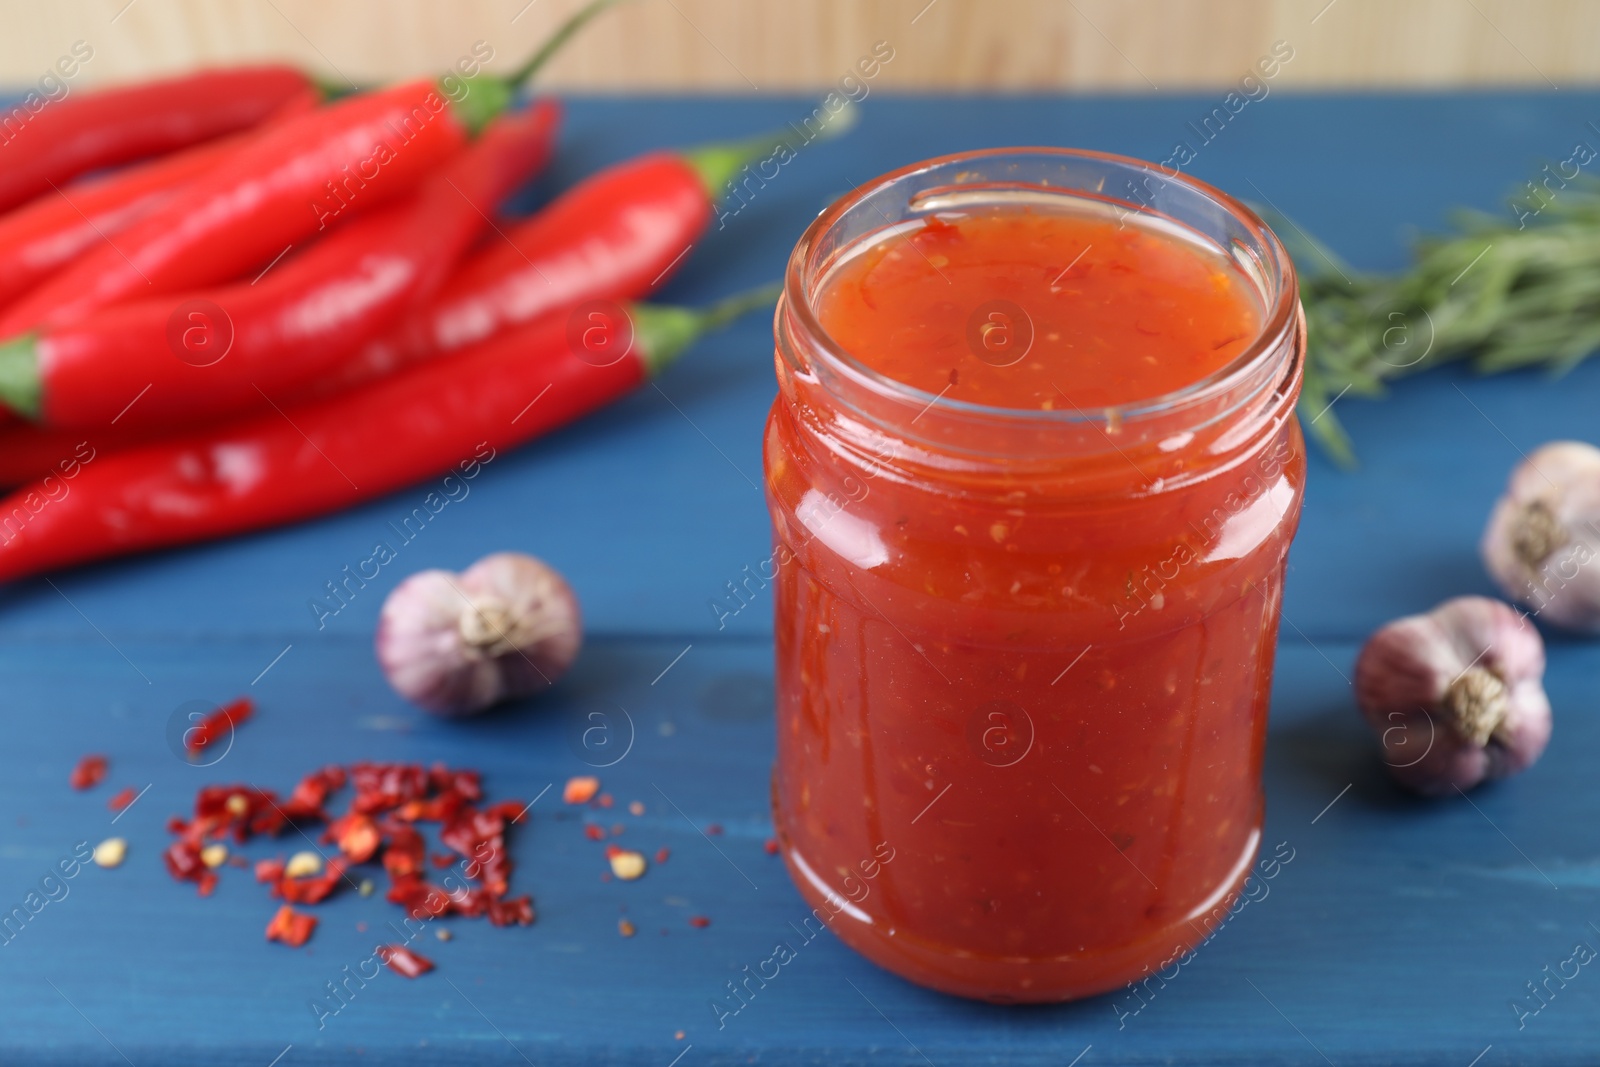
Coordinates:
[699,922]
[594,833]
[580,790]
[403,961]
[605,800]
[89,772]
[242,810]
[714,829]
[771,846]
[517,910]
[291,927]
[402,853]
[466,784]
[356,835]
[471,827]
[183,861]
[389,798]
[217,725]
[315,888]
[662,854]
[385,786]
[420,899]
[510,810]
[312,792]
[127,795]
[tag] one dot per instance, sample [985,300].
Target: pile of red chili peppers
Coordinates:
[278,306]
[389,801]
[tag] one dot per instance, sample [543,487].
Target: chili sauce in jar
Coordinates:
[1033,472]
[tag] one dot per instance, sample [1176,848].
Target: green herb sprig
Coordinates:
[1502,296]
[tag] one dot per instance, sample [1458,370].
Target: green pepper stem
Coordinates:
[717,163]
[563,34]
[486,97]
[661,332]
[19,375]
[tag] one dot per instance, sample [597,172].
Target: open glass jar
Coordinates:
[1024,653]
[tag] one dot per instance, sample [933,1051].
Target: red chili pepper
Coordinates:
[291,927]
[699,922]
[271,469]
[125,796]
[218,724]
[617,235]
[41,237]
[281,188]
[403,961]
[59,140]
[90,772]
[236,345]
[29,453]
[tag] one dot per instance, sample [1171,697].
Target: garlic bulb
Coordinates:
[457,643]
[1543,539]
[1455,695]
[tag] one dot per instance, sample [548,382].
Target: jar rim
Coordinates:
[1278,319]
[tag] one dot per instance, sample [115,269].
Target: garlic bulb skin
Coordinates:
[455,644]
[1542,544]
[1456,696]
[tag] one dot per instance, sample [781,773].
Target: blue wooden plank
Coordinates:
[1400,931]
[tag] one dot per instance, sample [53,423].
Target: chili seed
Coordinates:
[627,864]
[303,865]
[109,853]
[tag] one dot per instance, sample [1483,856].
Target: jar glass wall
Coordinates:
[1024,654]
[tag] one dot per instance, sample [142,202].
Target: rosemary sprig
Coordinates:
[1502,296]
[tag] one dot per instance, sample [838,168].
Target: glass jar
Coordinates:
[1024,656]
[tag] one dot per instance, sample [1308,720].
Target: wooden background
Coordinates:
[770,45]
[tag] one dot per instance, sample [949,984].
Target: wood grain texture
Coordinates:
[751,45]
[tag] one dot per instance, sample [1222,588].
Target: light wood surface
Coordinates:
[776,45]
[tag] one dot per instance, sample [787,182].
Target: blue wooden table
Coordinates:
[1401,932]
